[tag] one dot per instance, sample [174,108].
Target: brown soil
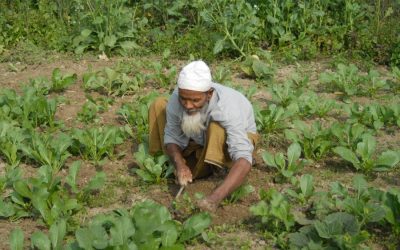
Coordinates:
[124,189]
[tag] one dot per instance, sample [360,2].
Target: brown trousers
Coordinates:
[215,150]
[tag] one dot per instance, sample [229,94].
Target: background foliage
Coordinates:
[206,29]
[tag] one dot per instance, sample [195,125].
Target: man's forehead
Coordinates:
[186,92]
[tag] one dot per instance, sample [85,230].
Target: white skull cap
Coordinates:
[195,76]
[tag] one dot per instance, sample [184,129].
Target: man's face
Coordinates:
[193,101]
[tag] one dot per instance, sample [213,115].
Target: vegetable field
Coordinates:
[77,78]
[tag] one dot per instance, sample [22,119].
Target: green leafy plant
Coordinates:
[304,189]
[136,115]
[346,80]
[391,200]
[152,169]
[395,81]
[337,230]
[311,105]
[92,107]
[257,68]
[111,82]
[314,140]
[17,239]
[373,83]
[374,115]
[363,157]
[61,82]
[284,94]
[146,226]
[97,143]
[347,134]
[274,212]
[47,149]
[274,119]
[44,195]
[163,73]
[106,27]
[236,23]
[288,165]
[31,109]
[222,75]
[11,138]
[54,240]
[240,193]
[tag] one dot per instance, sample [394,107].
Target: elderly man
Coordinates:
[204,125]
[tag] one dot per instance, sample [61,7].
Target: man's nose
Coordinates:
[189,105]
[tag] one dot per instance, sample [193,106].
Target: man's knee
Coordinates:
[160,103]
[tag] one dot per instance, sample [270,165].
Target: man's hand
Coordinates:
[184,175]
[182,171]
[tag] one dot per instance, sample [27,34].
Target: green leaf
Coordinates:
[17,239]
[110,41]
[57,233]
[86,33]
[22,189]
[219,46]
[359,183]
[169,233]
[194,226]
[6,209]
[307,185]
[40,241]
[96,182]
[129,45]
[387,159]
[293,153]
[347,155]
[72,174]
[268,159]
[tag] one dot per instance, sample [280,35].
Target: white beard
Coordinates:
[193,125]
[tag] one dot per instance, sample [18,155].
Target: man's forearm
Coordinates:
[236,176]
[174,152]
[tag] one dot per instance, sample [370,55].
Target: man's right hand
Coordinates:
[184,175]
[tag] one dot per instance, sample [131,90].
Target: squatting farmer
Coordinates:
[202,126]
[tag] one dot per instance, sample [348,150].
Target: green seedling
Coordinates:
[288,165]
[136,115]
[314,140]
[274,212]
[348,135]
[284,94]
[391,200]
[146,226]
[304,189]
[110,82]
[311,105]
[60,82]
[346,79]
[274,119]
[97,143]
[92,107]
[363,157]
[46,149]
[240,193]
[373,83]
[45,196]
[337,230]
[152,169]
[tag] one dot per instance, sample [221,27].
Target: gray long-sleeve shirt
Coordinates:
[229,108]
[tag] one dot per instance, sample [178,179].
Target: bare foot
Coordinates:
[207,205]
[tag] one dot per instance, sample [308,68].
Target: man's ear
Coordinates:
[210,93]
